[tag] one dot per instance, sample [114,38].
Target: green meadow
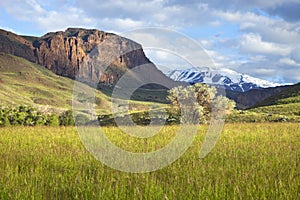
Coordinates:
[249,161]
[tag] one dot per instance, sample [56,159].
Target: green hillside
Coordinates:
[280,107]
[285,103]
[25,83]
[287,96]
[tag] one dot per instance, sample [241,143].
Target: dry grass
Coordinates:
[250,161]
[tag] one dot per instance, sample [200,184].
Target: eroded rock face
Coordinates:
[90,55]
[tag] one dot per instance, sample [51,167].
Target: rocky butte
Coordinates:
[87,54]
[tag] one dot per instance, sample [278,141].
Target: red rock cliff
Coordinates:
[87,54]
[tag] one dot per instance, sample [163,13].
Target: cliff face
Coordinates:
[90,55]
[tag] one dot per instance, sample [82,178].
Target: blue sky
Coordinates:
[259,37]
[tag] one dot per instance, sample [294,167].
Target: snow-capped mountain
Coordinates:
[230,79]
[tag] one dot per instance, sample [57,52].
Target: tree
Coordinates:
[198,100]
[185,103]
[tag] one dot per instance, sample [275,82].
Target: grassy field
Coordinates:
[250,161]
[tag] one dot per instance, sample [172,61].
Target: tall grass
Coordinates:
[250,161]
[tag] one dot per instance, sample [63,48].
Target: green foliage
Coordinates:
[66,118]
[221,103]
[22,115]
[29,116]
[52,120]
[4,117]
[142,118]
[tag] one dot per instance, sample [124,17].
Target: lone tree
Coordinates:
[198,102]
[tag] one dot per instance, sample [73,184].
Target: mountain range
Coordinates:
[227,78]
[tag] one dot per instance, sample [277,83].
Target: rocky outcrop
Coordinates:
[90,55]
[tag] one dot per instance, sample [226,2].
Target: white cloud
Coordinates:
[151,13]
[252,43]
[23,9]
[171,49]
[49,19]
[123,24]
[289,61]
[72,17]
[267,43]
[272,30]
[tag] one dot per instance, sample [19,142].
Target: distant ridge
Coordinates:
[230,79]
[290,95]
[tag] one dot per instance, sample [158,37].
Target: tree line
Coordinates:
[29,116]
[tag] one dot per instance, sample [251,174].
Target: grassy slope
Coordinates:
[26,83]
[283,106]
[287,102]
[23,82]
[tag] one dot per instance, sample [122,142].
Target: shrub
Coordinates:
[52,120]
[66,118]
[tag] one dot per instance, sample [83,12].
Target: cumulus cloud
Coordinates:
[252,43]
[47,18]
[266,43]
[171,43]
[72,17]
[150,13]
[273,30]
[22,9]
